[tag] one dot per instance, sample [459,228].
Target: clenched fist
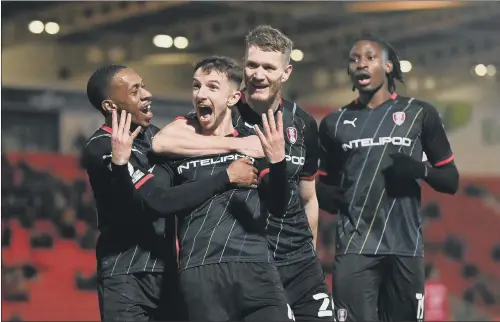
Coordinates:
[121,138]
[242,173]
[273,139]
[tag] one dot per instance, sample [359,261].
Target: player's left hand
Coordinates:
[404,166]
[272,140]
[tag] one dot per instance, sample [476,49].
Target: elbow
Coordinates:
[454,183]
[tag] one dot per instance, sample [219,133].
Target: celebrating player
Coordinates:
[225,269]
[291,236]
[371,150]
[136,247]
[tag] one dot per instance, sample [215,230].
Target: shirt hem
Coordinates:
[131,271]
[228,260]
[372,253]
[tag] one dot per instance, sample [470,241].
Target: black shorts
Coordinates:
[378,287]
[306,290]
[140,297]
[234,292]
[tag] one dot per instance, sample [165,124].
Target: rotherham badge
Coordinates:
[342,315]
[399,117]
[291,133]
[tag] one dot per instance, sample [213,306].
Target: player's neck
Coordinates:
[375,99]
[263,107]
[109,123]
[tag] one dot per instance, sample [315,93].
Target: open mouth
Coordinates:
[146,108]
[363,79]
[205,113]
[259,87]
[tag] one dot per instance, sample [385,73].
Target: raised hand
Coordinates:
[272,140]
[242,173]
[121,138]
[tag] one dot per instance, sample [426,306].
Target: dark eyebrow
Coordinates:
[210,81]
[136,86]
[261,64]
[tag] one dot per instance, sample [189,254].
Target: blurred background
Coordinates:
[451,52]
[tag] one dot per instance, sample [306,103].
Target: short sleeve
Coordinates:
[310,168]
[435,143]
[329,152]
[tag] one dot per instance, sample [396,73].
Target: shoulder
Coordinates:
[153,129]
[99,142]
[298,112]
[429,111]
[412,101]
[97,148]
[331,119]
[426,106]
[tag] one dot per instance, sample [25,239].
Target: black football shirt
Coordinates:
[289,234]
[133,237]
[230,226]
[383,215]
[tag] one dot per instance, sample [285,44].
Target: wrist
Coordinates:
[224,177]
[278,159]
[228,175]
[279,163]
[119,162]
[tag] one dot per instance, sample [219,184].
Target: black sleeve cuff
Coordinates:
[278,166]
[119,169]
[223,178]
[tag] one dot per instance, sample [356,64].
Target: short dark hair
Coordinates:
[268,38]
[392,55]
[98,84]
[222,64]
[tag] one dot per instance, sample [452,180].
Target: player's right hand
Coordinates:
[272,140]
[251,146]
[242,173]
[121,138]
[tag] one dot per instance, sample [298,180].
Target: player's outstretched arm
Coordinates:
[154,186]
[277,192]
[156,191]
[180,138]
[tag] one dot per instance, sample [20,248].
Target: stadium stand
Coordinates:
[49,234]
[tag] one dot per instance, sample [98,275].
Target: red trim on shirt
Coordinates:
[445,161]
[143,181]
[322,173]
[310,178]
[180,118]
[262,174]
[107,128]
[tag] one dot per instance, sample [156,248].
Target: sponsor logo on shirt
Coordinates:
[396,140]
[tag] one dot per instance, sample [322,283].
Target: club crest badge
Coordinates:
[399,117]
[342,315]
[291,133]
